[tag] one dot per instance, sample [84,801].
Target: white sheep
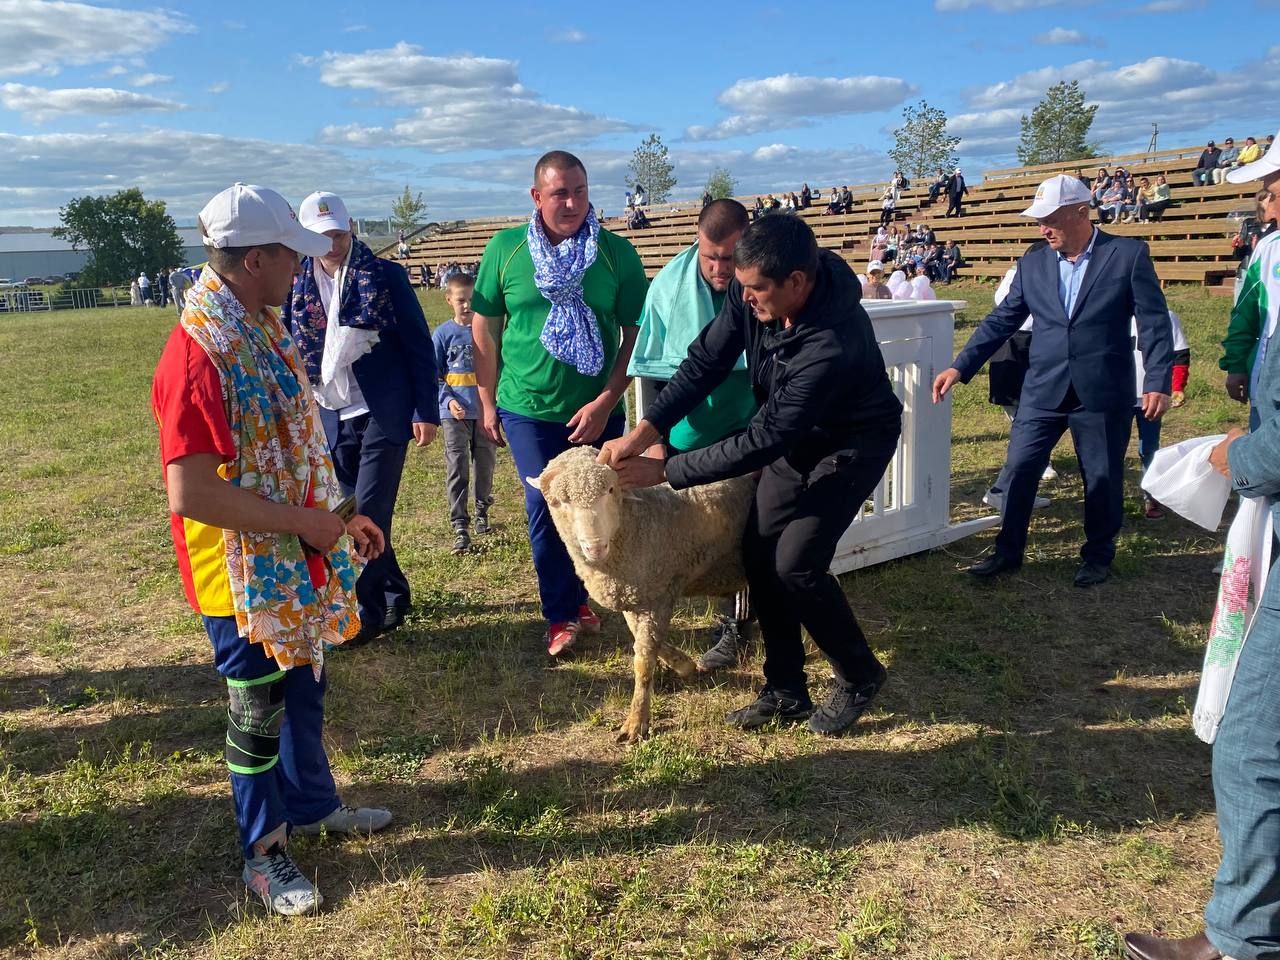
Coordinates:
[641,551]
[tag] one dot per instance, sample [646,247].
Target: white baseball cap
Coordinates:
[244,215]
[1059,191]
[1266,164]
[324,211]
[875,265]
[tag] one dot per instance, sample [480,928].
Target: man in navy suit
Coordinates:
[1082,288]
[365,343]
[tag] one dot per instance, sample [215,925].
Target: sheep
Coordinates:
[639,552]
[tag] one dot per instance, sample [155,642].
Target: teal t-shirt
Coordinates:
[531,382]
[726,411]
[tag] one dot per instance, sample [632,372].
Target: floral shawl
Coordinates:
[280,456]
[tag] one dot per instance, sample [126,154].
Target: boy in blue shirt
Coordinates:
[464,440]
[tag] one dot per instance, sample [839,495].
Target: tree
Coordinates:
[921,144]
[651,168]
[407,211]
[125,234]
[1058,129]
[720,184]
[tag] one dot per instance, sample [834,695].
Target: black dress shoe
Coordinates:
[1141,946]
[1091,574]
[993,566]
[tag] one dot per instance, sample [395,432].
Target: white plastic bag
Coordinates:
[1182,479]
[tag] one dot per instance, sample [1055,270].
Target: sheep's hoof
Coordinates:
[684,667]
[633,730]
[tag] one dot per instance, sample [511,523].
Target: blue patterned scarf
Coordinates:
[365,304]
[571,333]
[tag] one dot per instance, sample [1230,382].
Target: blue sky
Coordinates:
[457,100]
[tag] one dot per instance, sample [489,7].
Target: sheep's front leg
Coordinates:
[636,726]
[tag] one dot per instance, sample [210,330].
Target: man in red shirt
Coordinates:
[265,559]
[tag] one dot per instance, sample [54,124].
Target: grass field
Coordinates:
[1027,785]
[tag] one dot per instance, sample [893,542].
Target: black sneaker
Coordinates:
[482,524]
[768,708]
[461,542]
[845,705]
[730,645]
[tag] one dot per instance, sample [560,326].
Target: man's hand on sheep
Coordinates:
[640,472]
[633,444]
[589,422]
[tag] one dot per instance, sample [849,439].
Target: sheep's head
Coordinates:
[585,499]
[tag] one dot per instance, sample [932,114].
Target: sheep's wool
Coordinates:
[578,478]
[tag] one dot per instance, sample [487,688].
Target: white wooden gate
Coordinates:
[910,511]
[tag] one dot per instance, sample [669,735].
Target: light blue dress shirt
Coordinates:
[1071,275]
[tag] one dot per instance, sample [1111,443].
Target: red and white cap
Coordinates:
[1260,169]
[1059,191]
[244,215]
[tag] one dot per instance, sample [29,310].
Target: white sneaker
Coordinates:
[274,877]
[996,501]
[1049,473]
[348,820]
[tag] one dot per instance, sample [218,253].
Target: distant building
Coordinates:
[38,253]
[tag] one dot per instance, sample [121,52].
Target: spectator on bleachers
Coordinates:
[1156,201]
[953,258]
[846,199]
[629,201]
[879,243]
[897,183]
[1081,177]
[758,211]
[639,197]
[806,197]
[424,275]
[636,220]
[956,191]
[772,204]
[1203,172]
[935,264]
[788,203]
[939,185]
[927,236]
[1250,153]
[1228,157]
[1100,185]
[892,245]
[887,203]
[402,248]
[706,199]
[1115,202]
[875,288]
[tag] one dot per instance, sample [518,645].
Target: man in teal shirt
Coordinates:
[684,297]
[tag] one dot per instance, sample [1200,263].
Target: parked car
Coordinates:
[33,281]
[71,275]
[53,281]
[6,283]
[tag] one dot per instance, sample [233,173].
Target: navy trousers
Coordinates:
[1242,918]
[300,787]
[1101,439]
[534,444]
[369,465]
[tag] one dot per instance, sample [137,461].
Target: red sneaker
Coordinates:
[561,637]
[588,619]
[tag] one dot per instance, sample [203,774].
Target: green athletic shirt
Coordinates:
[727,410]
[531,382]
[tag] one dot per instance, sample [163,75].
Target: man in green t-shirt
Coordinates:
[683,299]
[570,292]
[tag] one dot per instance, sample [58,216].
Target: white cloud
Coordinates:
[738,125]
[1061,36]
[40,36]
[220,87]
[569,36]
[40,103]
[150,79]
[810,96]
[39,174]
[460,103]
[115,70]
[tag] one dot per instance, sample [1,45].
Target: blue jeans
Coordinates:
[534,444]
[300,787]
[1242,918]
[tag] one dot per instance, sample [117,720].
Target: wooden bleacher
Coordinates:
[1191,244]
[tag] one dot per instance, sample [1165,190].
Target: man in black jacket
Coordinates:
[827,427]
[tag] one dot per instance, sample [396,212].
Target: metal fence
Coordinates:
[30,301]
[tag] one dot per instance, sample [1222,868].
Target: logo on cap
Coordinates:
[322,207]
[1040,192]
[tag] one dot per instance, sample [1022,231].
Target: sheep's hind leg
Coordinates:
[636,726]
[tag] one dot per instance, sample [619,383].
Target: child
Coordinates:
[464,440]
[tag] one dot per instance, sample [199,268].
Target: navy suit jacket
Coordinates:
[398,376]
[1091,350]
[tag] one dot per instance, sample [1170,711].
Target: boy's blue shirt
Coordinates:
[454,360]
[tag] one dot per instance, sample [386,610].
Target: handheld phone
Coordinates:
[346,508]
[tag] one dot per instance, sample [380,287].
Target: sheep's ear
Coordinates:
[542,482]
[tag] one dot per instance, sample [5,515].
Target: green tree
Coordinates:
[1058,129]
[407,211]
[651,168]
[721,184]
[125,234]
[921,144]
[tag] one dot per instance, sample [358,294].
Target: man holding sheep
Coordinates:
[827,427]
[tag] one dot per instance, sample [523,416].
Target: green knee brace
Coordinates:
[254,717]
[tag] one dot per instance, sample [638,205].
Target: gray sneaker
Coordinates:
[348,820]
[274,877]
[845,705]
[730,647]
[461,542]
[481,523]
